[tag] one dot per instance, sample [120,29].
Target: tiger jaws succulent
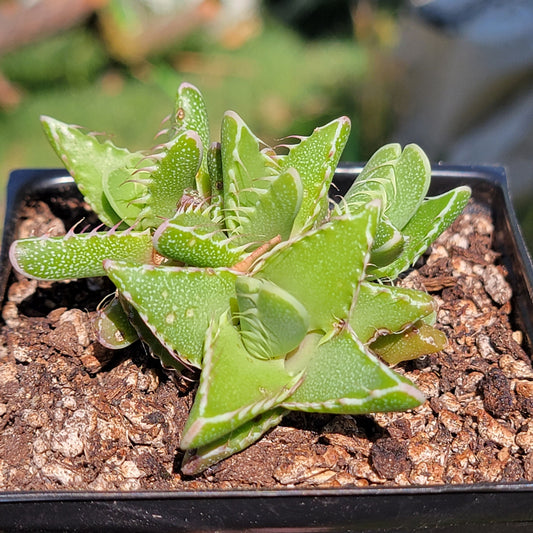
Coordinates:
[230,258]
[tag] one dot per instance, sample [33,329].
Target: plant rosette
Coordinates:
[233,266]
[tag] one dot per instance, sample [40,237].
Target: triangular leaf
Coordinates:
[195,461]
[376,180]
[399,178]
[274,211]
[315,158]
[122,191]
[171,176]
[234,388]
[272,322]
[320,269]
[344,377]
[88,161]
[244,168]
[191,114]
[113,326]
[412,178]
[420,339]
[78,255]
[176,303]
[381,309]
[196,240]
[432,217]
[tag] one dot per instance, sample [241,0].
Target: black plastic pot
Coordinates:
[493,507]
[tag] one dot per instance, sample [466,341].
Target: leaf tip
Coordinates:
[13,258]
[186,85]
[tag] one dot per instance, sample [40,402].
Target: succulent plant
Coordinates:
[231,259]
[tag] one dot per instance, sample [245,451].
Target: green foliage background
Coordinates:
[277,80]
[281,80]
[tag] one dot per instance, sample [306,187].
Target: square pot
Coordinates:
[491,506]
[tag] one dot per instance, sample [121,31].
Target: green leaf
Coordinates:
[420,339]
[319,269]
[122,191]
[432,217]
[78,255]
[272,321]
[274,211]
[191,114]
[168,359]
[177,304]
[216,180]
[315,159]
[113,327]
[376,180]
[381,309]
[388,244]
[412,178]
[244,168]
[196,461]
[172,175]
[344,377]
[89,161]
[385,156]
[196,240]
[399,178]
[234,388]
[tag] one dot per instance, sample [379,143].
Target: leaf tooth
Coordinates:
[144,199]
[96,134]
[131,228]
[161,132]
[113,230]
[298,138]
[269,151]
[255,190]
[163,147]
[138,171]
[70,233]
[155,157]
[140,181]
[145,211]
[212,210]
[191,202]
[166,119]
[149,169]
[242,247]
[85,228]
[96,230]
[240,209]
[285,145]
[140,201]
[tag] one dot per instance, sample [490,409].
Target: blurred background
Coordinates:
[455,76]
